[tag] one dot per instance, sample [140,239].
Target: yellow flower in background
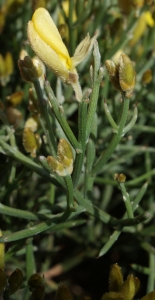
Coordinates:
[6,68]
[122,75]
[47,43]
[144,20]
[120,289]
[63,165]
[63,28]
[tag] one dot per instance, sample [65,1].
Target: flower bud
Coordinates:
[130,287]
[14,282]
[32,123]
[29,70]
[56,166]
[63,165]
[15,99]
[63,293]
[120,177]
[115,278]
[122,75]
[147,77]
[112,69]
[9,65]
[14,116]
[31,142]
[127,75]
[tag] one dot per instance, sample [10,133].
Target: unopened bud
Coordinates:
[120,177]
[29,70]
[127,75]
[63,165]
[122,75]
[32,123]
[147,77]
[31,141]
[15,98]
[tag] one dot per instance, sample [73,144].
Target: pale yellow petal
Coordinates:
[83,50]
[49,33]
[46,53]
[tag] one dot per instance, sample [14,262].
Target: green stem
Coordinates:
[90,157]
[82,114]
[30,261]
[151,277]
[42,227]
[45,120]
[60,118]
[70,194]
[92,209]
[113,238]
[115,140]
[19,213]
[110,118]
[30,164]
[97,77]
[117,233]
[126,199]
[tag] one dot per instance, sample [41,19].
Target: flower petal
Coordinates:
[48,32]
[46,53]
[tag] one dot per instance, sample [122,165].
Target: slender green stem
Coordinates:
[132,122]
[42,227]
[30,164]
[45,120]
[90,157]
[30,260]
[92,209]
[60,118]
[115,140]
[117,233]
[126,199]
[97,77]
[19,213]
[140,269]
[113,238]
[82,114]
[151,277]
[70,194]
[110,118]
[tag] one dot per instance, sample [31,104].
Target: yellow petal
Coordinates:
[115,278]
[130,287]
[148,19]
[48,32]
[46,53]
[149,296]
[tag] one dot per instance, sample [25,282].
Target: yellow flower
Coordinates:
[144,20]
[122,75]
[63,28]
[6,68]
[63,165]
[123,290]
[47,43]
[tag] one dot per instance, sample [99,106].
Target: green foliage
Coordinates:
[103,203]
